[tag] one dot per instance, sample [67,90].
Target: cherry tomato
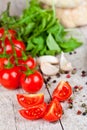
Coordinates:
[31,83]
[1,32]
[19,46]
[63,91]
[34,112]
[29,100]
[53,111]
[1,48]
[4,62]
[9,77]
[30,62]
[10,32]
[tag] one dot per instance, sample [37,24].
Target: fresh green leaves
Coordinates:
[70,45]
[52,44]
[40,30]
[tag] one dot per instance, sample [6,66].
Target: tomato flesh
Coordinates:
[28,100]
[54,111]
[63,91]
[35,112]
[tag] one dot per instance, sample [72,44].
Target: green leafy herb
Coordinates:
[40,30]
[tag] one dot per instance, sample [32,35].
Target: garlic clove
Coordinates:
[65,65]
[48,58]
[49,69]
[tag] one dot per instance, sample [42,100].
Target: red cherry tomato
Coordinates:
[53,111]
[9,78]
[1,48]
[4,62]
[18,46]
[29,100]
[29,62]
[32,83]
[63,91]
[10,32]
[34,112]
[1,32]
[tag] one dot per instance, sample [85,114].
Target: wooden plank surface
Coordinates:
[10,118]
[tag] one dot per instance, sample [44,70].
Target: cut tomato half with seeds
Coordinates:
[28,100]
[63,91]
[53,111]
[35,112]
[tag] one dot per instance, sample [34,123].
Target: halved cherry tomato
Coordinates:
[63,91]
[34,112]
[53,111]
[31,83]
[9,77]
[29,100]
[30,62]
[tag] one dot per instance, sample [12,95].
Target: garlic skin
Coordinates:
[48,58]
[65,65]
[49,69]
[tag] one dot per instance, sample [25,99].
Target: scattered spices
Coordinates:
[83,95]
[54,81]
[70,102]
[58,75]
[75,52]
[84,113]
[83,105]
[68,76]
[70,106]
[83,73]
[86,83]
[74,71]
[79,112]
[70,53]
[66,72]
[77,88]
[48,79]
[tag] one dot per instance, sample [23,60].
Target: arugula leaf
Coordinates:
[52,44]
[70,45]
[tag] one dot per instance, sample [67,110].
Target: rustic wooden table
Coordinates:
[10,119]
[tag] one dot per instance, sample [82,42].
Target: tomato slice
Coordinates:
[28,100]
[34,112]
[53,111]
[63,91]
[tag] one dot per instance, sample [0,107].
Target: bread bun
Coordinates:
[73,17]
[63,3]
